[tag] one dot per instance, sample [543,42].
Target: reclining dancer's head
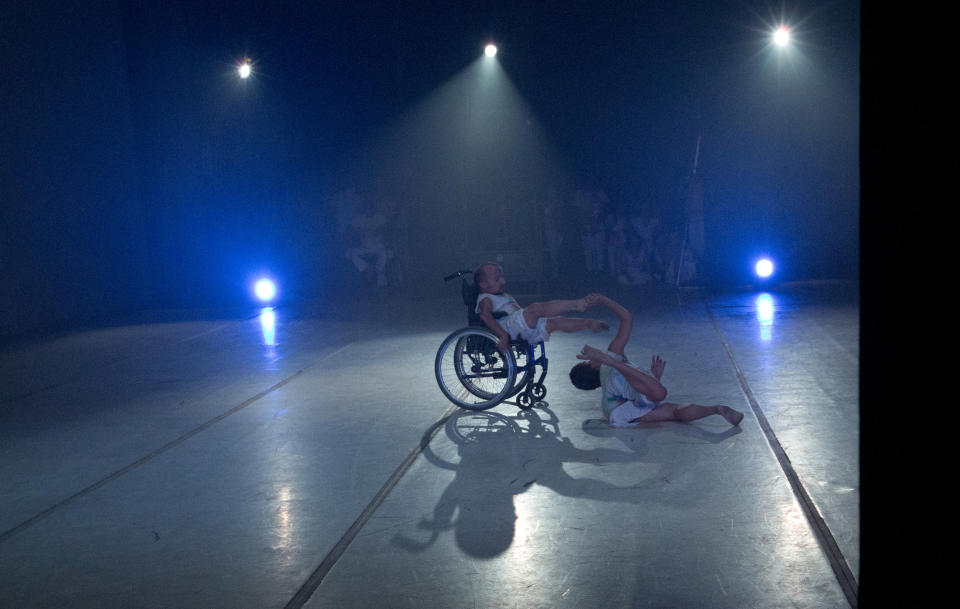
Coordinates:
[585,376]
[489,278]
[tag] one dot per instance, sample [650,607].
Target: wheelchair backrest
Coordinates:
[469,291]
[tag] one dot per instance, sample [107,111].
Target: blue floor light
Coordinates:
[764,268]
[265,289]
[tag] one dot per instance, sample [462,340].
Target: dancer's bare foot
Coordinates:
[598,326]
[732,416]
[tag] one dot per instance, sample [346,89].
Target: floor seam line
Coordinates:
[316,578]
[155,453]
[828,543]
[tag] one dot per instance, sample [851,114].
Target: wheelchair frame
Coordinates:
[473,374]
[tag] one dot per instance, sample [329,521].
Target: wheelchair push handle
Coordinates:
[457,274]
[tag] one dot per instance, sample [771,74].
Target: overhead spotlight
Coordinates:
[781,37]
[490,50]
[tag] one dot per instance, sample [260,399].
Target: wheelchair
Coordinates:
[474,375]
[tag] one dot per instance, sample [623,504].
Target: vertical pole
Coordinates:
[696,155]
[689,211]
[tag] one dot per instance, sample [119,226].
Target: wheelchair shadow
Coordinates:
[501,456]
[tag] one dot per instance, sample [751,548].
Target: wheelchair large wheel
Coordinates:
[524,371]
[470,370]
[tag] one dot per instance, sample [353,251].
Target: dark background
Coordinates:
[139,173]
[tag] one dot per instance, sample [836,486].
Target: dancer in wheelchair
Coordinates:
[534,323]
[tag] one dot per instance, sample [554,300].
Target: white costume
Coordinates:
[514,323]
[621,403]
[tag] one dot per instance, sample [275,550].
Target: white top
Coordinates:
[616,388]
[502,302]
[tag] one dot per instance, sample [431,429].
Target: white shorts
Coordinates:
[623,414]
[516,327]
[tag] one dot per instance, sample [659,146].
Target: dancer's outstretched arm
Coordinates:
[619,342]
[641,381]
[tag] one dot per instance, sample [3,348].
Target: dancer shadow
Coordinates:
[501,456]
[635,436]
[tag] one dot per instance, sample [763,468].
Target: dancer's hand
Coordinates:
[657,366]
[592,354]
[593,299]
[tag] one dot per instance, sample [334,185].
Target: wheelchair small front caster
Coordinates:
[525,400]
[539,392]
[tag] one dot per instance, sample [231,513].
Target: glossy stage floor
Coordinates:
[311,461]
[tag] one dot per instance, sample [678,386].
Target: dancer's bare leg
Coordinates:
[551,308]
[575,324]
[685,413]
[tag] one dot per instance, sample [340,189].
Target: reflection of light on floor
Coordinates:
[793,522]
[526,548]
[794,533]
[765,310]
[268,326]
[283,521]
[835,488]
[527,522]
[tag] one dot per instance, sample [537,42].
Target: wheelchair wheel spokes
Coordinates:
[524,369]
[470,370]
[482,370]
